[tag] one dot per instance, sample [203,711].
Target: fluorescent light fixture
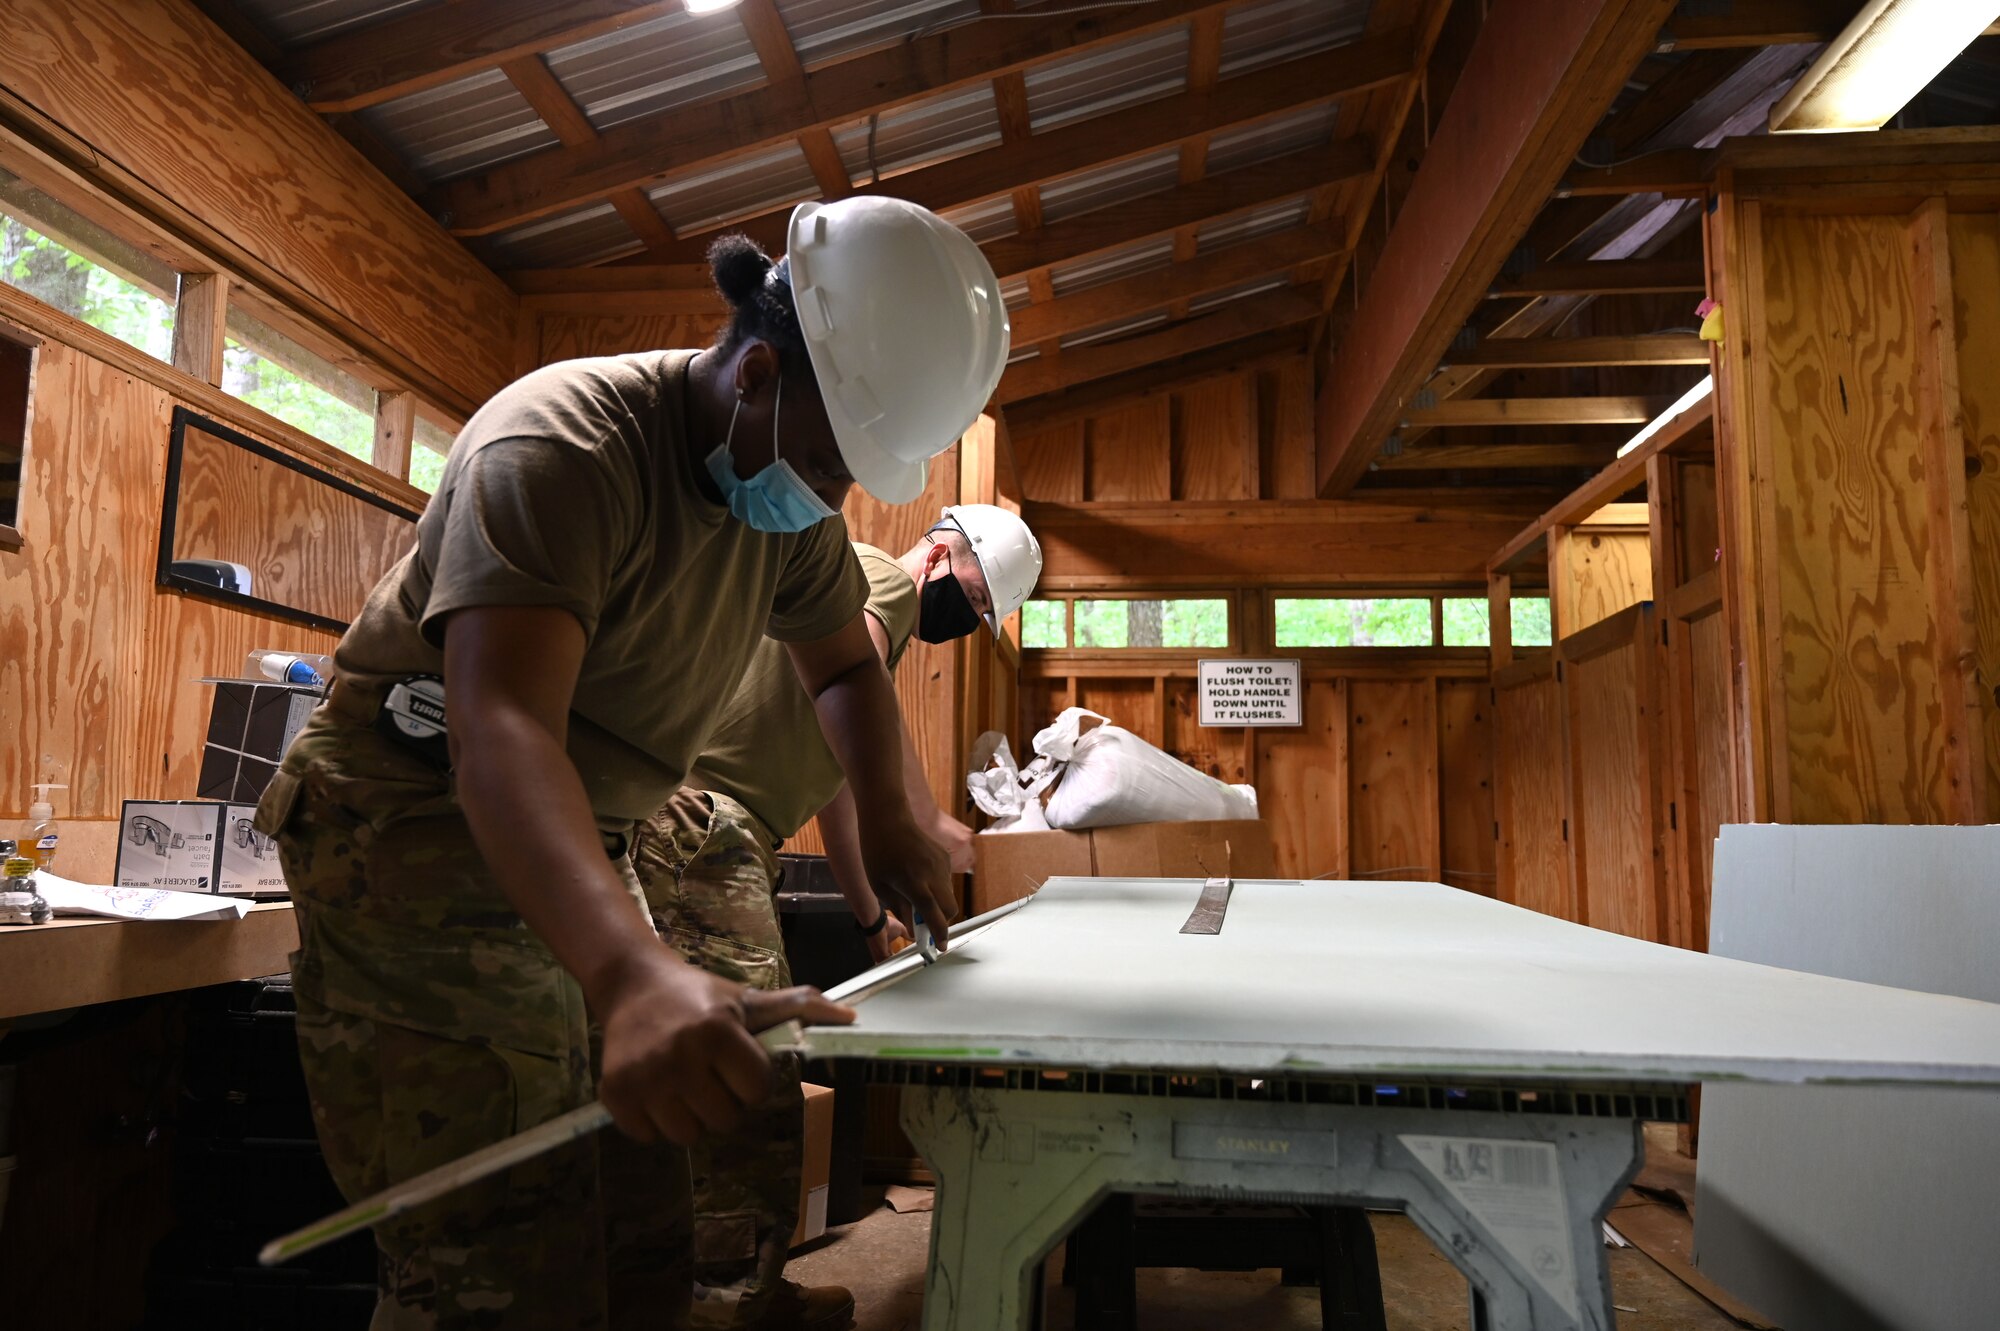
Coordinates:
[1878,63]
[709,6]
[1661,421]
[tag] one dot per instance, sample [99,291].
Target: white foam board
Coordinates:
[1848,1208]
[1383,976]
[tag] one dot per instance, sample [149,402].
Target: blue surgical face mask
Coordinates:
[775,499]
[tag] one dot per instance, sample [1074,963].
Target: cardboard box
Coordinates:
[818,1164]
[250,725]
[196,846]
[1010,865]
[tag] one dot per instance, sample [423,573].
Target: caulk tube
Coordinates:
[288,668]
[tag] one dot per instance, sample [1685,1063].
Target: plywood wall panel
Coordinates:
[1465,783]
[1392,778]
[1302,785]
[1612,826]
[157,90]
[1215,439]
[1975,268]
[569,336]
[1530,797]
[1602,571]
[1127,453]
[1051,463]
[1861,696]
[1131,703]
[1285,396]
[1221,753]
[96,663]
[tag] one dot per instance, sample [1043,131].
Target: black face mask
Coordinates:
[943,611]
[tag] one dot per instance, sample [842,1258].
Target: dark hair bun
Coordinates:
[739,268]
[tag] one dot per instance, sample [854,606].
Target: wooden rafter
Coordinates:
[1527,353]
[1676,172]
[547,98]
[1203,70]
[1536,411]
[1232,322]
[649,151]
[780,60]
[1755,23]
[1176,284]
[1531,90]
[1603,277]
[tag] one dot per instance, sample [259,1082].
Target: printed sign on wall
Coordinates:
[1251,693]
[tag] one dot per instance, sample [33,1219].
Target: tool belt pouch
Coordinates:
[412,715]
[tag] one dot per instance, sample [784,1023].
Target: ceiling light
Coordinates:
[709,6]
[1878,63]
[1681,404]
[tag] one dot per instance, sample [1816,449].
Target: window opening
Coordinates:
[1352,621]
[273,373]
[66,261]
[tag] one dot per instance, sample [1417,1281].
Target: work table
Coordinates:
[76,961]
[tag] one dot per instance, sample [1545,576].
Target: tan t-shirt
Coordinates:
[767,752]
[576,487]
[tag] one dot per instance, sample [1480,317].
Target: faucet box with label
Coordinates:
[196,846]
[250,725]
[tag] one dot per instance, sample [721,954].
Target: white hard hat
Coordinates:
[1009,556]
[906,329]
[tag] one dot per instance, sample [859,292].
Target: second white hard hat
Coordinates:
[1008,555]
[906,330]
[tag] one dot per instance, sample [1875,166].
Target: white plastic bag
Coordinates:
[1002,792]
[1110,777]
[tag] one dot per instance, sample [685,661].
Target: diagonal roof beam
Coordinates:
[1540,76]
[644,151]
[650,150]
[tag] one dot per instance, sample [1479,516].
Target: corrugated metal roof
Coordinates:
[742,187]
[1242,290]
[468,125]
[1014,292]
[1123,328]
[824,30]
[1125,261]
[1246,145]
[1258,35]
[1107,78]
[589,235]
[989,219]
[935,129]
[1251,225]
[297,22]
[1103,186]
[655,66]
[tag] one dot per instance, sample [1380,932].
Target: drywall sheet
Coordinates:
[1381,976]
[1850,1208]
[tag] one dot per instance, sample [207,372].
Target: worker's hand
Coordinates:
[888,940]
[907,869]
[680,1058]
[956,839]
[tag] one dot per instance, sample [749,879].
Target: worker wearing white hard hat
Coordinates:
[612,540]
[709,866]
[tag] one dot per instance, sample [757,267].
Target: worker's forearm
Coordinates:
[858,715]
[539,839]
[843,857]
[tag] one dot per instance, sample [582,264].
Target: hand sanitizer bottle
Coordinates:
[40,843]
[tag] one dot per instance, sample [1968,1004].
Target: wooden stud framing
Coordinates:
[201,312]
[395,432]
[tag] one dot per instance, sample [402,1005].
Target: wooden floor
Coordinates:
[882,1257]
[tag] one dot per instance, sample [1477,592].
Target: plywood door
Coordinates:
[1713,740]
[1850,642]
[1465,783]
[1614,843]
[1302,785]
[1392,778]
[1530,780]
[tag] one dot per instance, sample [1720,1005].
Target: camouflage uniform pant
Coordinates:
[709,871]
[432,1022]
